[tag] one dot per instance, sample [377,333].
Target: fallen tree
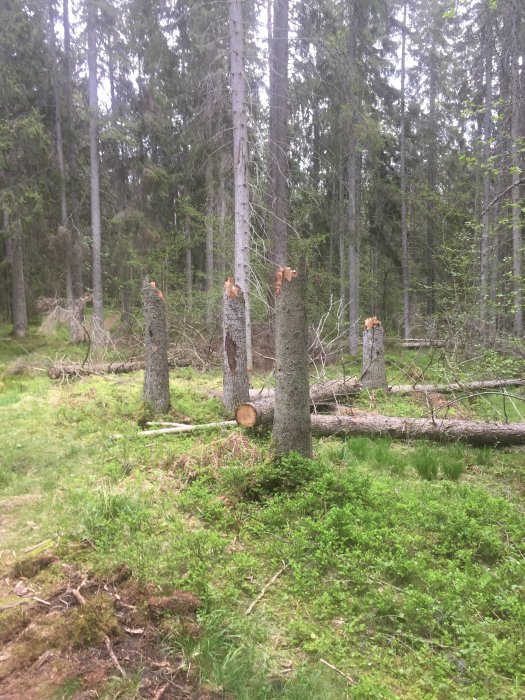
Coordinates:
[261,411]
[442,430]
[455,386]
[61,370]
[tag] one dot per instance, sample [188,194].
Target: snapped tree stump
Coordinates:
[156,374]
[291,425]
[236,382]
[374,371]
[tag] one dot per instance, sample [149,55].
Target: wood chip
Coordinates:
[139,630]
[46,656]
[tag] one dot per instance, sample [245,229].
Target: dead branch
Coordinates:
[265,588]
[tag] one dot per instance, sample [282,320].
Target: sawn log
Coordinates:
[260,412]
[442,430]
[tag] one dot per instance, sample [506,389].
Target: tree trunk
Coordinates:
[236,386]
[188,266]
[404,227]
[291,426]
[353,252]
[516,172]
[374,371]
[430,222]
[473,432]
[210,267]
[261,411]
[18,290]
[76,332]
[98,334]
[156,375]
[487,133]
[71,150]
[240,164]
[278,134]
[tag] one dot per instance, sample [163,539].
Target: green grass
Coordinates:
[403,564]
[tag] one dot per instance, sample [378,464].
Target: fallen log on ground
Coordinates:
[418,343]
[260,412]
[61,370]
[373,425]
[182,428]
[455,386]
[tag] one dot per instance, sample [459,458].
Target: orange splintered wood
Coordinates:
[230,288]
[287,273]
[246,415]
[372,322]
[153,284]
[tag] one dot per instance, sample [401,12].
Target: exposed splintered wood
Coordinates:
[374,371]
[441,430]
[156,374]
[236,382]
[261,411]
[291,426]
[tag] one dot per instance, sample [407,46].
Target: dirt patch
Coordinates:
[80,635]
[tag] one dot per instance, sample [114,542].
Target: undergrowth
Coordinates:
[399,565]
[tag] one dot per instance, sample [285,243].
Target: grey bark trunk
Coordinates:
[236,383]
[278,134]
[18,291]
[76,242]
[188,266]
[98,334]
[210,266]
[516,174]
[353,251]
[240,163]
[487,132]
[431,182]
[374,371]
[76,332]
[156,374]
[404,228]
[291,426]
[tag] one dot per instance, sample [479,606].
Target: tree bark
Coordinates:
[261,411]
[236,383]
[71,150]
[487,133]
[156,375]
[374,370]
[98,334]
[404,227]
[516,171]
[18,290]
[473,432]
[278,134]
[240,165]
[291,426]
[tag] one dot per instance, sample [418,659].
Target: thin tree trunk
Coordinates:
[516,174]
[353,251]
[76,242]
[431,183]
[18,291]
[98,334]
[487,133]
[278,134]
[240,164]
[188,266]
[221,213]
[291,426]
[210,266]
[404,228]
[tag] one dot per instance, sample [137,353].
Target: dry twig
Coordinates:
[265,588]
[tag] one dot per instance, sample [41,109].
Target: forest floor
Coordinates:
[128,563]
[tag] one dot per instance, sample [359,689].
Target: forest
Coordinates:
[262,358]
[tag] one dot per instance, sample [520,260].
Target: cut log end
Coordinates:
[246,415]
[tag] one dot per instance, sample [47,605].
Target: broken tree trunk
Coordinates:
[291,425]
[473,432]
[374,371]
[260,412]
[156,375]
[61,370]
[236,383]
